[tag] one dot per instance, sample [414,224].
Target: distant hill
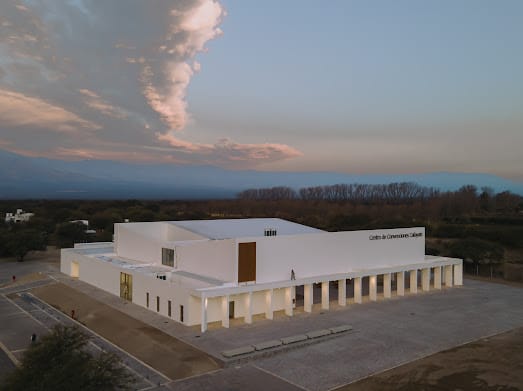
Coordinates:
[27,177]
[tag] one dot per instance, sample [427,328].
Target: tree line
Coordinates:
[392,193]
[451,218]
[398,192]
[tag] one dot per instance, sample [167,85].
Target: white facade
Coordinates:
[18,216]
[220,266]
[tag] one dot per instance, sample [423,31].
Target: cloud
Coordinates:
[21,7]
[18,110]
[194,27]
[184,146]
[229,153]
[4,143]
[171,105]
[94,101]
[118,153]
[109,81]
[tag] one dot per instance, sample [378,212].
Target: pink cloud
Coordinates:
[17,109]
[4,143]
[192,29]
[118,153]
[171,105]
[95,101]
[228,153]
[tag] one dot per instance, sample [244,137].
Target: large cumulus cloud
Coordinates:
[108,79]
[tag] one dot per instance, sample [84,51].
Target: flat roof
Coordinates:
[237,228]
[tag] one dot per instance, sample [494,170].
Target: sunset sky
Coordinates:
[348,86]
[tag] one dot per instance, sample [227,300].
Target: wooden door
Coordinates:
[246,262]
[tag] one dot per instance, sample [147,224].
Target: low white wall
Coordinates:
[101,274]
[106,276]
[165,290]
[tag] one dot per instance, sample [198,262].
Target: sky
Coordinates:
[346,86]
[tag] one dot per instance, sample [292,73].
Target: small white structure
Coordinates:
[19,216]
[197,272]
[86,224]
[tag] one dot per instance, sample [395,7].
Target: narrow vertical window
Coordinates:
[147,299]
[168,257]
[157,303]
[169,308]
[181,313]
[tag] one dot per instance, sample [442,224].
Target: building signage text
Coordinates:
[396,236]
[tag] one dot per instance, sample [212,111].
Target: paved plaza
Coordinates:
[386,333]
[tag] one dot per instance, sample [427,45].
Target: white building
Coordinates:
[19,216]
[197,272]
[86,224]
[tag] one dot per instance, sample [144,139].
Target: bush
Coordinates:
[59,361]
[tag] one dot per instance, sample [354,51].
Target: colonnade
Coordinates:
[447,275]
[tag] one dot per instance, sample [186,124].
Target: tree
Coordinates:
[59,361]
[67,234]
[486,199]
[477,251]
[20,242]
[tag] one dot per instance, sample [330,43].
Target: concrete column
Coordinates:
[248,307]
[413,281]
[225,311]
[425,279]
[357,290]
[386,285]
[373,288]
[308,297]
[400,285]
[288,301]
[448,276]
[204,314]
[458,274]
[342,292]
[293,294]
[268,304]
[325,295]
[437,277]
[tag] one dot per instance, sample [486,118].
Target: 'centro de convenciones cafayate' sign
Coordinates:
[396,236]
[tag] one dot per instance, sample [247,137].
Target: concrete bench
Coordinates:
[238,351]
[340,329]
[293,339]
[318,333]
[268,344]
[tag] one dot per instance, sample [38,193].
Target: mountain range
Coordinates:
[34,177]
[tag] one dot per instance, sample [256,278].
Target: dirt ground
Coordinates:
[495,280]
[489,364]
[168,355]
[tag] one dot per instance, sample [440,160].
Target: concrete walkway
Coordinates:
[22,315]
[386,333]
